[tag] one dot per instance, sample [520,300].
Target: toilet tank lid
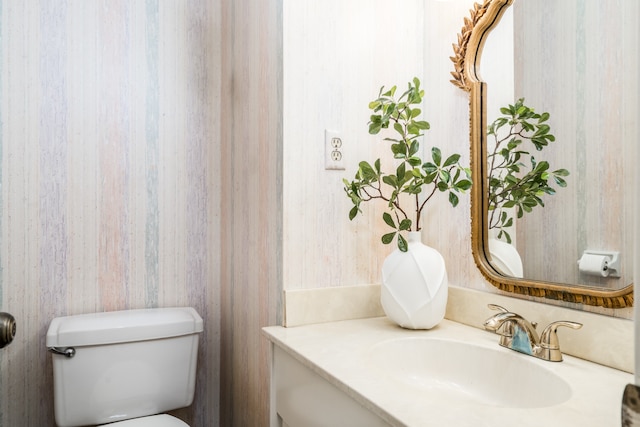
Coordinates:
[122,326]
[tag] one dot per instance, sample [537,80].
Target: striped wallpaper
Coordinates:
[140,148]
[335,60]
[109,145]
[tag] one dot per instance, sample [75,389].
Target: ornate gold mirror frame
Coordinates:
[483,18]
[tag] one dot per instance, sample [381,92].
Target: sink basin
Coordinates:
[488,376]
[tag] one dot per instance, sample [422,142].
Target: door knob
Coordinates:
[7,329]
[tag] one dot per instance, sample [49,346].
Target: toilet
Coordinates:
[124,368]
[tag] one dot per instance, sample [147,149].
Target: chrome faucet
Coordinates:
[517,333]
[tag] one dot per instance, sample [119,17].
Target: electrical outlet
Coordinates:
[333,150]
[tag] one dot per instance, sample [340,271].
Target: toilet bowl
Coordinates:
[162,420]
[124,368]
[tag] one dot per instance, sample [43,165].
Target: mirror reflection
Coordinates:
[562,183]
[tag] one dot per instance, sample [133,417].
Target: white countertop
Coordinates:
[338,351]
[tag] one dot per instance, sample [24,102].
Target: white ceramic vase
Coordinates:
[505,258]
[414,285]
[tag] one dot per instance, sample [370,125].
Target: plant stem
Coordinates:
[419,214]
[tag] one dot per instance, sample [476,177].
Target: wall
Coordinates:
[251,205]
[337,55]
[321,246]
[336,252]
[139,155]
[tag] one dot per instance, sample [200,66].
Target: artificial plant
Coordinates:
[413,183]
[516,179]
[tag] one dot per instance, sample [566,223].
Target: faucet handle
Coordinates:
[549,338]
[497,307]
[494,322]
[504,310]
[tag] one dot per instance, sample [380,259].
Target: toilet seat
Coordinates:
[162,420]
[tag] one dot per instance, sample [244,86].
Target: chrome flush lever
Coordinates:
[68,352]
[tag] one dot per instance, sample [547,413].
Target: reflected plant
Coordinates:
[406,184]
[517,181]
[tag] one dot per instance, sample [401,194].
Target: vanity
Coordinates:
[370,372]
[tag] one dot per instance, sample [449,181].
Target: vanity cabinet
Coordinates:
[305,399]
[372,373]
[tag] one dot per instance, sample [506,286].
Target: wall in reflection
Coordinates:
[579,61]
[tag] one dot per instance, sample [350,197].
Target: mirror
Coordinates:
[595,65]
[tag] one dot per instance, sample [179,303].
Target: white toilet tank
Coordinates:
[123,364]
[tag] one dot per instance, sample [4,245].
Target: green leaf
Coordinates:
[390,92]
[561,182]
[436,155]
[445,176]
[429,167]
[414,189]
[414,161]
[413,129]
[414,147]
[390,180]
[375,128]
[463,185]
[401,171]
[389,109]
[388,238]
[367,172]
[451,160]
[399,150]
[393,140]
[353,213]
[402,243]
[388,219]
[542,166]
[405,225]
[431,177]
[453,199]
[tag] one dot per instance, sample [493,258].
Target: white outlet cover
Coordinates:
[333,150]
